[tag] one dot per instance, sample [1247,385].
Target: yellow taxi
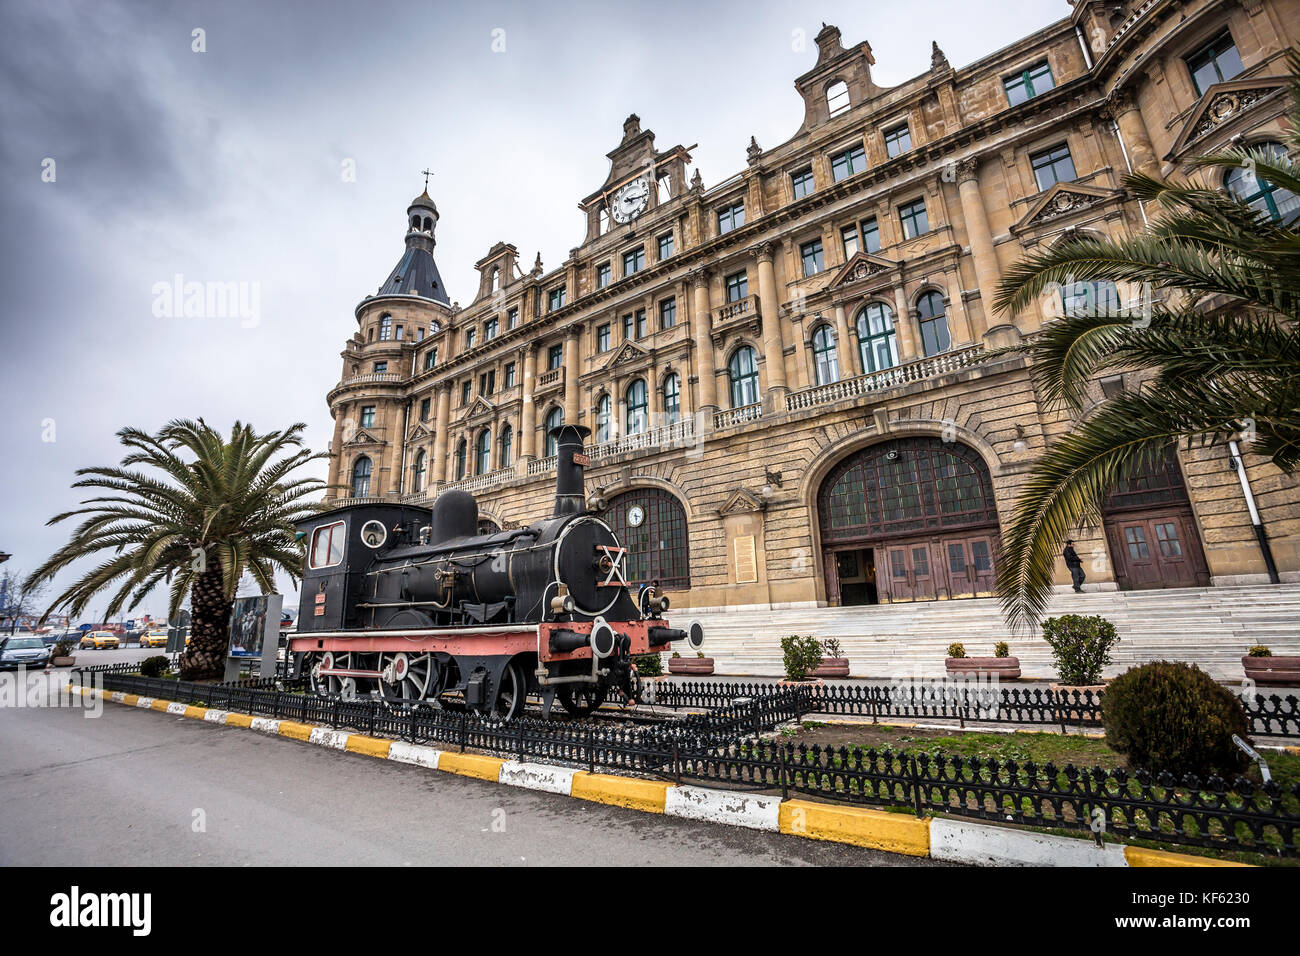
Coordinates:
[153,639]
[99,640]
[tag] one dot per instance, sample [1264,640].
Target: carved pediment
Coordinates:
[1061,202]
[626,354]
[418,433]
[1223,103]
[740,502]
[362,437]
[479,407]
[861,267]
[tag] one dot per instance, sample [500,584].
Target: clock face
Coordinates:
[635,515]
[630,201]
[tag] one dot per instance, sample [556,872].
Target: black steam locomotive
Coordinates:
[414,604]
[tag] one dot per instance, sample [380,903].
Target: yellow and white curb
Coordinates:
[955,841]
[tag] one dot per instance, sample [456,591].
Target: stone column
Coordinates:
[987,273]
[773,343]
[441,425]
[702,331]
[1133,129]
[572,373]
[905,327]
[846,349]
[528,416]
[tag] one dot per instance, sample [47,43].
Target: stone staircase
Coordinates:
[1211,627]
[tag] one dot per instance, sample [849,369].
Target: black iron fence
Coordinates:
[723,746]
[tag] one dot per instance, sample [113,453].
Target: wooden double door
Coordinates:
[1158,549]
[926,569]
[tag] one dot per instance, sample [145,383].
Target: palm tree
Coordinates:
[195,510]
[1218,358]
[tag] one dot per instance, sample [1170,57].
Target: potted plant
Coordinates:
[801,656]
[1263,667]
[833,663]
[1080,649]
[698,665]
[62,656]
[1001,663]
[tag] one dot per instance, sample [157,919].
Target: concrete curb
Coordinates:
[939,838]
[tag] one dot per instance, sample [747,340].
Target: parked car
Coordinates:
[53,637]
[23,651]
[99,640]
[154,638]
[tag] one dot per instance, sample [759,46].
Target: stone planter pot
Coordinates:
[62,661]
[690,665]
[1006,668]
[1070,714]
[1279,671]
[833,667]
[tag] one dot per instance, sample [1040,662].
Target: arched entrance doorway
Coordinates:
[911,519]
[1151,532]
[651,524]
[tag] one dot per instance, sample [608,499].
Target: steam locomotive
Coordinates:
[415,605]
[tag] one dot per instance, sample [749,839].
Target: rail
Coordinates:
[931,367]
[730,417]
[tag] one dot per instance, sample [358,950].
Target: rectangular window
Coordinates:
[898,140]
[914,220]
[667,313]
[512,319]
[810,253]
[487,382]
[510,375]
[634,261]
[627,327]
[419,334]
[737,286]
[665,189]
[367,416]
[845,164]
[489,330]
[399,333]
[425,403]
[430,358]
[554,357]
[1053,166]
[555,299]
[849,237]
[466,389]
[327,545]
[602,338]
[640,323]
[1028,83]
[1215,62]
[732,217]
[381,367]
[471,339]
[602,275]
[870,235]
[666,246]
[802,182]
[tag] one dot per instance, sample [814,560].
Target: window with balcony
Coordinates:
[483,452]
[913,219]
[810,255]
[737,286]
[1053,166]
[877,340]
[731,217]
[418,471]
[1278,203]
[381,367]
[673,399]
[461,455]
[1215,62]
[666,248]
[802,181]
[1030,82]
[848,163]
[602,420]
[897,141]
[742,374]
[602,275]
[367,416]
[667,313]
[555,299]
[507,447]
[825,364]
[934,323]
[634,261]
[602,338]
[554,357]
[637,407]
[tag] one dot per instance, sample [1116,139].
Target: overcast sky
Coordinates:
[228,166]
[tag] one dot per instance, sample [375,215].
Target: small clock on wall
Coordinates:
[630,200]
[635,515]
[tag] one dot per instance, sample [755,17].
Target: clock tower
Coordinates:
[640,179]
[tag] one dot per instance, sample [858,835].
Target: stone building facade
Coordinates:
[779,369]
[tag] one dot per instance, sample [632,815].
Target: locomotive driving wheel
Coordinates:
[582,700]
[511,693]
[404,677]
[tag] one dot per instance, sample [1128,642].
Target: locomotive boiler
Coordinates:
[413,604]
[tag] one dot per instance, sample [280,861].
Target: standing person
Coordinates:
[1073,562]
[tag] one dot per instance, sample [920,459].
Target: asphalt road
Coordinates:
[142,787]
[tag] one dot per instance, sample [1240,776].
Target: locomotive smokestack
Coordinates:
[570,494]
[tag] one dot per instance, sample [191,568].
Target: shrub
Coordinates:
[649,665]
[802,655]
[63,648]
[1171,716]
[1259,650]
[832,647]
[1080,646]
[956,649]
[154,666]
[1001,649]
[700,655]
[676,654]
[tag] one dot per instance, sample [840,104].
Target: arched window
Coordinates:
[507,446]
[672,399]
[742,371]
[1261,195]
[934,323]
[658,548]
[417,480]
[361,478]
[602,419]
[385,328]
[824,358]
[636,407]
[496,280]
[460,459]
[415,222]
[837,97]
[554,419]
[877,340]
[428,224]
[483,452]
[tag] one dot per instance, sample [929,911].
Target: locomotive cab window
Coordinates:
[327,545]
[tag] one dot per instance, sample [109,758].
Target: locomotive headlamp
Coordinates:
[695,635]
[602,638]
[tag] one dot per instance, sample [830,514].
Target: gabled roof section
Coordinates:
[627,352]
[1223,103]
[861,267]
[1062,201]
